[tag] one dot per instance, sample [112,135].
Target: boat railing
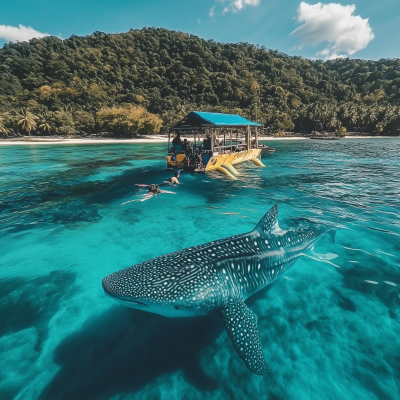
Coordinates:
[230,148]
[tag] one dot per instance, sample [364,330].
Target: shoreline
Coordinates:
[39,141]
[156,139]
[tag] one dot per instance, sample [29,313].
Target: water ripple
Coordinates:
[336,314]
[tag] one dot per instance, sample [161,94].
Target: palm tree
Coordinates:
[27,120]
[3,128]
[371,117]
[46,121]
[67,108]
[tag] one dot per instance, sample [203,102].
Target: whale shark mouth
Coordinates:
[122,299]
[138,303]
[129,301]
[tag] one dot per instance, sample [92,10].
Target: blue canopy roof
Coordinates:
[198,119]
[223,119]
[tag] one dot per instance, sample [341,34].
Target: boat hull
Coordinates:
[232,159]
[225,162]
[220,162]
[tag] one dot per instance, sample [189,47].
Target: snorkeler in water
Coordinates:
[154,189]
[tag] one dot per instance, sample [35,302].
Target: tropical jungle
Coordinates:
[143,81]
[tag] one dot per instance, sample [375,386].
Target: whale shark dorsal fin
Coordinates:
[241,325]
[269,222]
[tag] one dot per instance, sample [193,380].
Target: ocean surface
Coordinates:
[330,328]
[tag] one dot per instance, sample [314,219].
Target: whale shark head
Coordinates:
[153,287]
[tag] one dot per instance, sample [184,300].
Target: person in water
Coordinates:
[174,179]
[154,190]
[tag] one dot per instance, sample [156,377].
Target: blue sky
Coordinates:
[325,31]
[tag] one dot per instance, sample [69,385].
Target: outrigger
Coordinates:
[220,141]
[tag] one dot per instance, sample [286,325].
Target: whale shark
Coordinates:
[217,277]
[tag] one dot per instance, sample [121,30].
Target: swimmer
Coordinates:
[152,190]
[173,180]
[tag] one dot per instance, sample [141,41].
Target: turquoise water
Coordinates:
[330,328]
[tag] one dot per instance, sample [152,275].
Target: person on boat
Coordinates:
[177,141]
[207,143]
[186,146]
[217,142]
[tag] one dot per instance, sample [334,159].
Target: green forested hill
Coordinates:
[68,82]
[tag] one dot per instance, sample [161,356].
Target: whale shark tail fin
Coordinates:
[269,222]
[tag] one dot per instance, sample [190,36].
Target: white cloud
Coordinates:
[333,23]
[238,5]
[212,11]
[21,33]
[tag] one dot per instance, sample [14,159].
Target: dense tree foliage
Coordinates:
[75,85]
[128,120]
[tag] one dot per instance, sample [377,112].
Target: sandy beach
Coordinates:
[33,140]
[155,139]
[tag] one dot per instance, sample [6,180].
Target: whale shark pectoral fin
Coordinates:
[241,325]
[268,222]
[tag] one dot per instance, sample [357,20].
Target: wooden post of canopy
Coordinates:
[224,139]
[256,134]
[249,136]
[169,138]
[212,141]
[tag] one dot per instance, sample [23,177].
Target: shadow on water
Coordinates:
[123,350]
[70,203]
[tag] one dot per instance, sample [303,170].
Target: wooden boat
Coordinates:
[325,137]
[266,149]
[219,142]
